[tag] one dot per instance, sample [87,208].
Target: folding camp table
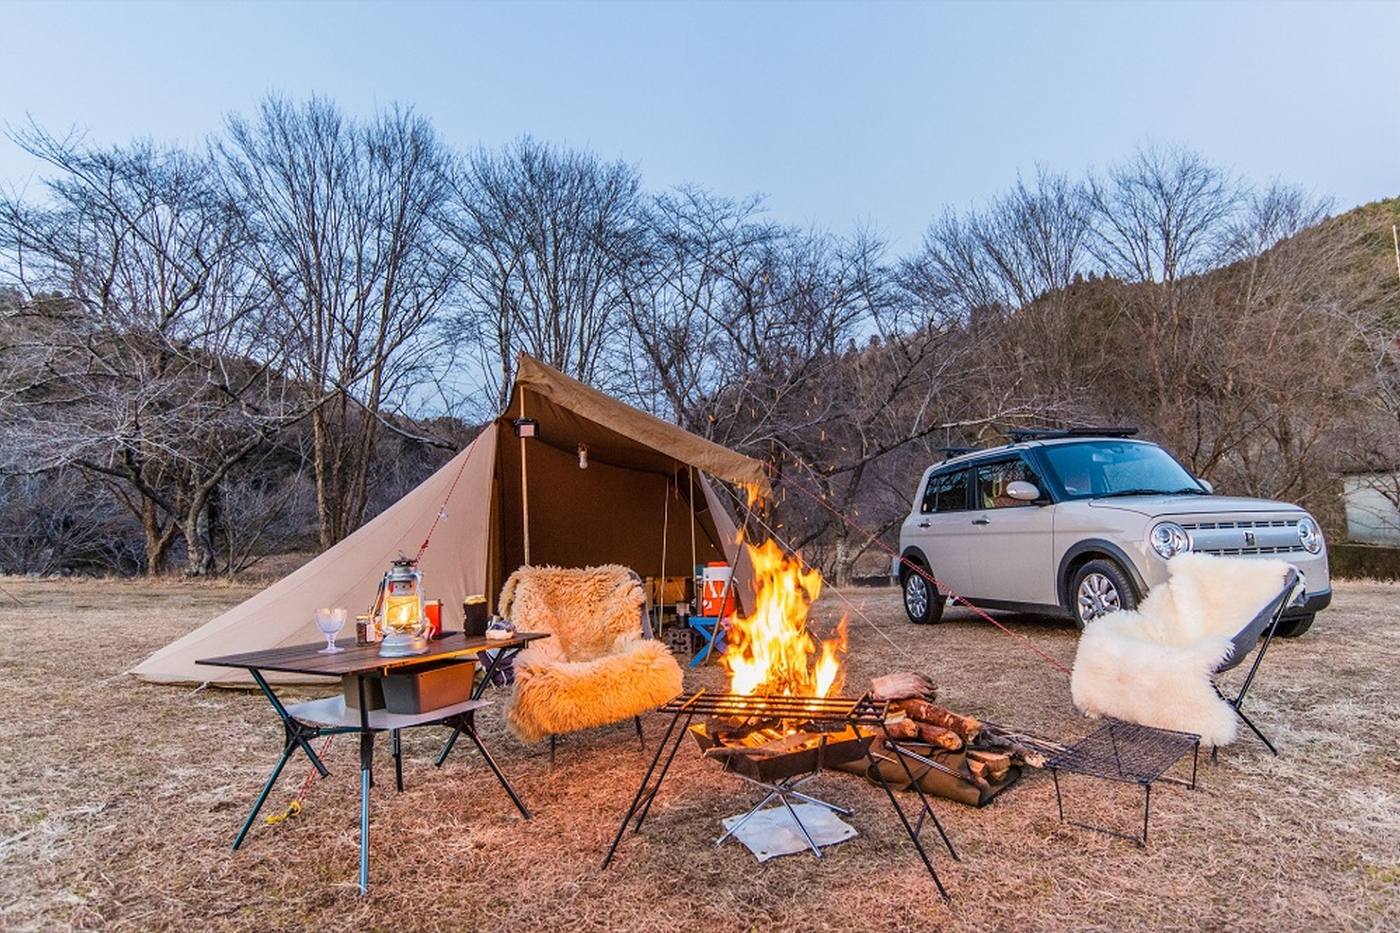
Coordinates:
[303,723]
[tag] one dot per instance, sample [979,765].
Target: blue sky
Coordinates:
[840,114]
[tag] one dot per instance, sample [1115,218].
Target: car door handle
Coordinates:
[923,524]
[981,521]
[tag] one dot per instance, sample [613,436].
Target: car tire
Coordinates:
[922,601]
[1098,588]
[1294,626]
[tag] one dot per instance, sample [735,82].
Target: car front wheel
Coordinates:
[1294,626]
[1098,588]
[922,601]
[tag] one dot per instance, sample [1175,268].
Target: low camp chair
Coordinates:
[1158,665]
[1260,631]
[599,667]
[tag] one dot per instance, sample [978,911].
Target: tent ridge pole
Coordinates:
[524,487]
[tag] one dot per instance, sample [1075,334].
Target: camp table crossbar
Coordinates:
[303,723]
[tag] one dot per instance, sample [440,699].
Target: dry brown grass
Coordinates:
[120,800]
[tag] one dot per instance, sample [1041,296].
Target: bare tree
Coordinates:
[546,234]
[132,354]
[346,216]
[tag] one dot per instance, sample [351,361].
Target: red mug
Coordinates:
[433,610]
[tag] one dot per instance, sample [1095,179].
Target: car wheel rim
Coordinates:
[1097,596]
[916,596]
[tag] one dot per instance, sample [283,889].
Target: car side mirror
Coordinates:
[1022,490]
[1206,484]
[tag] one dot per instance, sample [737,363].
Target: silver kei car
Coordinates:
[1080,523]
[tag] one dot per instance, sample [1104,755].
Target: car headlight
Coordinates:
[1309,535]
[1169,539]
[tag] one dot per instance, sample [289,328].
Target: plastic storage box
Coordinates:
[429,687]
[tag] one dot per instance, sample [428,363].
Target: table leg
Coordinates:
[366,762]
[287,749]
[398,759]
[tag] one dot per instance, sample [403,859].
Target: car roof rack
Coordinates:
[1018,435]
[950,452]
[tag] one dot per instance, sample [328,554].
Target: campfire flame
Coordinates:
[770,653]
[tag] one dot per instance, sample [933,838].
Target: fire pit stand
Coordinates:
[781,775]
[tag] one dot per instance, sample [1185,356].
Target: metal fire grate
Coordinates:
[817,714]
[856,711]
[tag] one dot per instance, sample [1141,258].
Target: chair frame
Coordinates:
[1294,590]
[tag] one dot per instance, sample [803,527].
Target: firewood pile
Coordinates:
[984,756]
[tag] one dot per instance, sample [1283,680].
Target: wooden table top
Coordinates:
[363,659]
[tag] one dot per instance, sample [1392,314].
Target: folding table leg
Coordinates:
[366,782]
[287,749]
[675,746]
[642,788]
[364,830]
[398,758]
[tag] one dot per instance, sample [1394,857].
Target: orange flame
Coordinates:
[770,653]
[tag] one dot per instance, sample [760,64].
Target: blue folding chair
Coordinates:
[705,627]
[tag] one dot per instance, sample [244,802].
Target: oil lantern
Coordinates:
[399,611]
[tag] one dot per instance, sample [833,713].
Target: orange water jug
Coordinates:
[716,587]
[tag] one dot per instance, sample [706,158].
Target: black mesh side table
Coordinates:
[1129,754]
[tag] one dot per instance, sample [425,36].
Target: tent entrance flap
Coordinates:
[599,515]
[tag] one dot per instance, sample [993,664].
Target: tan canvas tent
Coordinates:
[631,505]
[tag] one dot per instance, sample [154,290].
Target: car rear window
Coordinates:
[946,492]
[993,478]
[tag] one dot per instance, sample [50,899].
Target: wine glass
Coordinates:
[330,622]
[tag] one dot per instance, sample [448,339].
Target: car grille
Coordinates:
[1232,537]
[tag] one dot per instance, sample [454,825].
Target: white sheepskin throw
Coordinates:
[1153,665]
[596,668]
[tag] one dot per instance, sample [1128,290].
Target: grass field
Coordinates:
[118,800]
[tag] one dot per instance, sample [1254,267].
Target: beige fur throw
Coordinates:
[1153,665]
[596,668]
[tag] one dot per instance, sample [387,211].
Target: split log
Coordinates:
[922,710]
[979,776]
[905,729]
[996,763]
[902,730]
[903,685]
[937,735]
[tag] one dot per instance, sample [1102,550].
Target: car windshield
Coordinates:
[1096,469]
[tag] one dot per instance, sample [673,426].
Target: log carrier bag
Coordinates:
[965,788]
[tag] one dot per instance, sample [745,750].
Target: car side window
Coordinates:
[946,493]
[993,478]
